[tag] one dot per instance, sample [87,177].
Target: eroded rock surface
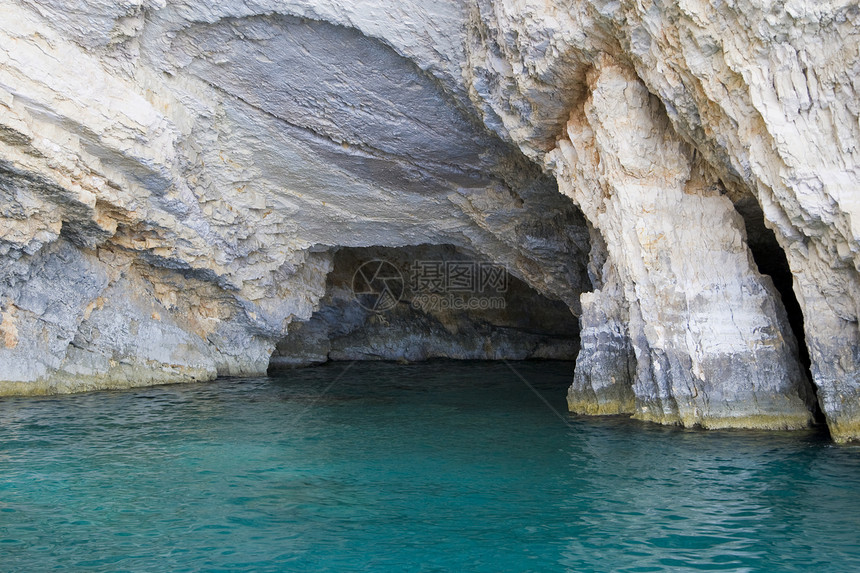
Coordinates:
[183,171]
[712,343]
[175,178]
[445,303]
[765,92]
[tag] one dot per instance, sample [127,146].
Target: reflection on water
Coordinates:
[435,467]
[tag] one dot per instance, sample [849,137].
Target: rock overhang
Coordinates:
[238,144]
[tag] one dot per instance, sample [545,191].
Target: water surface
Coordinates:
[435,467]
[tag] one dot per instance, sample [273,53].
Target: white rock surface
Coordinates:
[766,94]
[174,175]
[197,163]
[712,346]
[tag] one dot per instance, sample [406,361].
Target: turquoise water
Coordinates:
[382,467]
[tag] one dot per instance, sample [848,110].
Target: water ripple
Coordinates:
[439,467]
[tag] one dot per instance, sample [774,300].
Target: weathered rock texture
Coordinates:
[707,332]
[474,320]
[176,177]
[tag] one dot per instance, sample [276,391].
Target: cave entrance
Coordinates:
[416,303]
[771,260]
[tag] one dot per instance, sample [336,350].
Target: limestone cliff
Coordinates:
[176,178]
[763,92]
[706,329]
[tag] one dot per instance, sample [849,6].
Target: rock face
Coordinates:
[765,94]
[444,303]
[177,179]
[712,345]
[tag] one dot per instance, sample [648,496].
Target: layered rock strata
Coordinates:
[712,344]
[764,92]
[175,179]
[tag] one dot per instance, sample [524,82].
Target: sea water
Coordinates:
[433,467]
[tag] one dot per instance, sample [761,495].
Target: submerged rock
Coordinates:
[177,178]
